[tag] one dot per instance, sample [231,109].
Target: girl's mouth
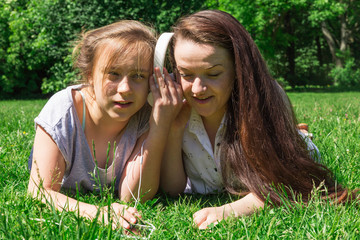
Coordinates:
[123,104]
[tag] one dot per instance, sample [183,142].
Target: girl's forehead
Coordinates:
[117,57]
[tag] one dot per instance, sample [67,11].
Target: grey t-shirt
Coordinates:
[60,120]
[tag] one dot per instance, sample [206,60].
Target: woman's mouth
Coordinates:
[202,100]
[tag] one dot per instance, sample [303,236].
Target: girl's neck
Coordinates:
[103,125]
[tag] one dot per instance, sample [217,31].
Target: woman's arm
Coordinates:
[245,206]
[45,182]
[173,176]
[167,104]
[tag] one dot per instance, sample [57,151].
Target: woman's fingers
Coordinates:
[154,90]
[199,217]
[174,88]
[207,216]
[168,88]
[163,86]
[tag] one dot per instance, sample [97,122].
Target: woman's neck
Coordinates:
[212,125]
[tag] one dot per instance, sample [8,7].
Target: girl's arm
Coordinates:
[167,104]
[245,206]
[45,182]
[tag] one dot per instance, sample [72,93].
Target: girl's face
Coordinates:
[207,76]
[121,90]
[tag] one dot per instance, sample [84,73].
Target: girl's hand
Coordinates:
[207,216]
[167,99]
[121,215]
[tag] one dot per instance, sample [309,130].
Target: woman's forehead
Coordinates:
[187,52]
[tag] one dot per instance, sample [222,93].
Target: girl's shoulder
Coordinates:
[58,106]
[141,119]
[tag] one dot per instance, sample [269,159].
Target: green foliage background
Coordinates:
[37,37]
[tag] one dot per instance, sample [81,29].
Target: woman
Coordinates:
[236,131]
[102,133]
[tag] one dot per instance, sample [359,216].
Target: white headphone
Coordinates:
[159,57]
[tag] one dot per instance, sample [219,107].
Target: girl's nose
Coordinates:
[124,85]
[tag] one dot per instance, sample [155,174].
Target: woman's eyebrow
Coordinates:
[183,68]
[219,64]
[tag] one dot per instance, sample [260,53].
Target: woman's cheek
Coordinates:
[186,87]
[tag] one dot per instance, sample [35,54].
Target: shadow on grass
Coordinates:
[322,89]
[204,200]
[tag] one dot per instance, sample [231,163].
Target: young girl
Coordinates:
[78,124]
[236,130]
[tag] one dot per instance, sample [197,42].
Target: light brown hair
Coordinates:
[126,35]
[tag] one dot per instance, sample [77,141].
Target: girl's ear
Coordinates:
[90,79]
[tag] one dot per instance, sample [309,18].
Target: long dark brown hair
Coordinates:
[262,149]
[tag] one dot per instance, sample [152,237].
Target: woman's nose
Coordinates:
[198,86]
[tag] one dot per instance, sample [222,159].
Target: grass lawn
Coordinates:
[334,119]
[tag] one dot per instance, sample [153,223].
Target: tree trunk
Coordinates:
[332,44]
[290,51]
[319,51]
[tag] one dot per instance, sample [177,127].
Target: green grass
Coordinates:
[334,119]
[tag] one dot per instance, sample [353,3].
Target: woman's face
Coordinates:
[121,90]
[206,75]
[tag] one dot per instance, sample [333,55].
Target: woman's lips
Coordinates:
[202,100]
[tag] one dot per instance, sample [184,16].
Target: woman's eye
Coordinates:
[214,74]
[184,75]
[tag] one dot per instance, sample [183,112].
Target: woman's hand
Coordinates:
[244,206]
[204,217]
[168,98]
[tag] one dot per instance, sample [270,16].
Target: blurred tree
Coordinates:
[39,35]
[300,39]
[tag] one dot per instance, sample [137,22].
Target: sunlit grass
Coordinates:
[333,118]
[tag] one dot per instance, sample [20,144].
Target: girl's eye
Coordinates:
[112,73]
[139,76]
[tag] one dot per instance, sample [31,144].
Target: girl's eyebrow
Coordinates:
[119,68]
[141,70]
